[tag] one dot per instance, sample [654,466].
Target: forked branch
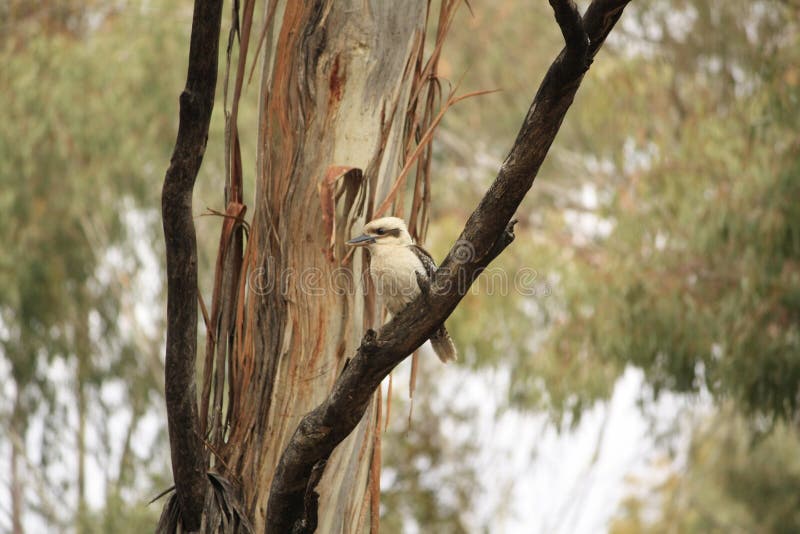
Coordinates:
[487,232]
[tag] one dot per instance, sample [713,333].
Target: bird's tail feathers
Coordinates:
[443,345]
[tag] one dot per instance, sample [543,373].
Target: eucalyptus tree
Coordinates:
[284,437]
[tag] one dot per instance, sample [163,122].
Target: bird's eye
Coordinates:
[380,231]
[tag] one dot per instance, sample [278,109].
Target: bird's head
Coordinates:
[383,231]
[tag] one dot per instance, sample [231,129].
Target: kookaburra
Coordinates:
[394,263]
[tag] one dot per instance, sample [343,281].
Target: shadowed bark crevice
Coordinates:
[487,233]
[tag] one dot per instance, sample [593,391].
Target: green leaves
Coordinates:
[698,272]
[732,483]
[86,92]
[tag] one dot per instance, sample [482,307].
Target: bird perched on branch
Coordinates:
[394,264]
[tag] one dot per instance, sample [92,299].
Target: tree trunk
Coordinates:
[17,489]
[332,139]
[82,353]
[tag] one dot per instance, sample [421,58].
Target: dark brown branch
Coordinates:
[571,24]
[487,232]
[308,524]
[196,103]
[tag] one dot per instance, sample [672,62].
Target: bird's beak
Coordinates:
[361,240]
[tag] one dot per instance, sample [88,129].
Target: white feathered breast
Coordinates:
[393,270]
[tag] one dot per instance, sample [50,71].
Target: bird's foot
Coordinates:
[424,284]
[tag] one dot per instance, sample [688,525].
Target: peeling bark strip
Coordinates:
[196,103]
[488,231]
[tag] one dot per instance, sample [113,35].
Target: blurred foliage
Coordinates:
[90,94]
[71,169]
[731,483]
[664,228]
[427,482]
[89,107]
[697,282]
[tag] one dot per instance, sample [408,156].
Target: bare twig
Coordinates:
[423,142]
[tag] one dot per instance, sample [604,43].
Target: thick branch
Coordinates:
[487,232]
[196,103]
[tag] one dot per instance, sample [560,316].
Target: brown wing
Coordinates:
[441,342]
[425,259]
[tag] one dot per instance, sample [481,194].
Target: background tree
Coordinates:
[76,184]
[698,267]
[730,484]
